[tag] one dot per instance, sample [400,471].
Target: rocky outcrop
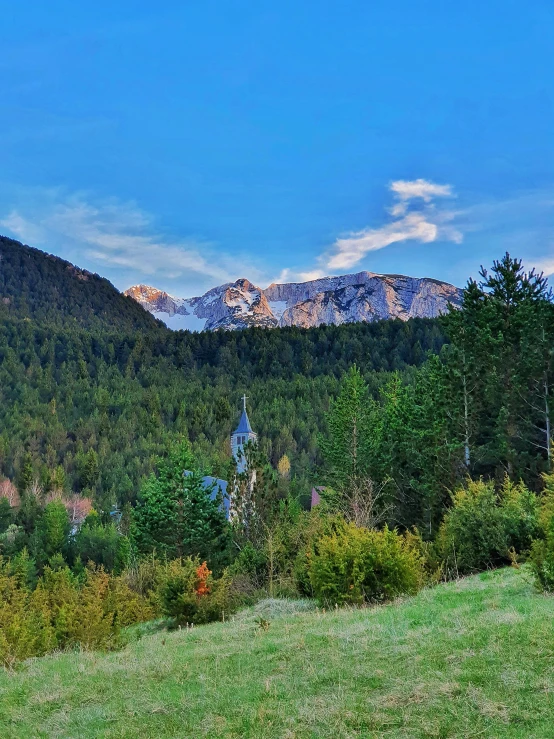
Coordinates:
[364,296]
[235,305]
[157,301]
[371,297]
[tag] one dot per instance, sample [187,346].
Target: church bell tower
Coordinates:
[241,436]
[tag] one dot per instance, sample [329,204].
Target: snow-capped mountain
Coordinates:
[364,296]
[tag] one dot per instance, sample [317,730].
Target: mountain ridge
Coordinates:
[361,296]
[47,289]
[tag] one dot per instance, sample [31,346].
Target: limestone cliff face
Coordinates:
[364,296]
[156,301]
[369,297]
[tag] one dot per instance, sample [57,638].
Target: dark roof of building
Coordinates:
[244,426]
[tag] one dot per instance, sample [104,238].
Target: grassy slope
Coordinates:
[467,659]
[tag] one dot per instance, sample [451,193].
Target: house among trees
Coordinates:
[217,489]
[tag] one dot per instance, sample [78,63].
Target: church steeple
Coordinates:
[241,436]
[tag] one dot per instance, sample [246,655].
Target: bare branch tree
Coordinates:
[364,503]
[10,492]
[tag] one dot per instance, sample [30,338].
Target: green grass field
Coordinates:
[473,658]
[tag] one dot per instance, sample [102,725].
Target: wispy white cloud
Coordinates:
[421,222]
[111,233]
[410,189]
[546,266]
[291,275]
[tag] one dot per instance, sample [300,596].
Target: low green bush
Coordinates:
[483,527]
[63,610]
[358,565]
[313,527]
[542,563]
[521,510]
[542,551]
[184,590]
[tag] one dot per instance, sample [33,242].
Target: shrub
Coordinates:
[25,626]
[176,590]
[481,527]
[310,528]
[63,610]
[251,564]
[542,550]
[358,564]
[546,509]
[520,507]
[186,592]
[280,566]
[542,563]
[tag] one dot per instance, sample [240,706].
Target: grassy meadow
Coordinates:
[473,658]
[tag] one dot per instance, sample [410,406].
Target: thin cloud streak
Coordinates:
[546,266]
[114,234]
[291,275]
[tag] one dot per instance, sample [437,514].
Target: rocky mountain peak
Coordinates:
[363,296]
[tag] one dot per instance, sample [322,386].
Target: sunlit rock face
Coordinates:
[364,296]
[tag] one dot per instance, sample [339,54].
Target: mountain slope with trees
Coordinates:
[51,291]
[92,407]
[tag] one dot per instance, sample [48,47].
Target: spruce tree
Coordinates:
[346,446]
[175,515]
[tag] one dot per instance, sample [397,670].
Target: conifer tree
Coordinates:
[500,371]
[346,447]
[26,474]
[467,359]
[175,515]
[350,450]
[51,536]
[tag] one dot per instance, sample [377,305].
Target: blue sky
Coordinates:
[187,144]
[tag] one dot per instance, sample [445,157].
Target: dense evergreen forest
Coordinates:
[431,441]
[76,399]
[93,389]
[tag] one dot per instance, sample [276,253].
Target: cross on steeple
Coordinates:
[244,399]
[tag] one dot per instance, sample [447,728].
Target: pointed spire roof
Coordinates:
[244,426]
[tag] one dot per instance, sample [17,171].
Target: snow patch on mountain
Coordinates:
[180,322]
[278,307]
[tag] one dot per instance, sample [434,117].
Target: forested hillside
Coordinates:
[431,442]
[93,390]
[99,406]
[51,291]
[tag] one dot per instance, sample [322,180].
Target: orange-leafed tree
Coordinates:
[202,574]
